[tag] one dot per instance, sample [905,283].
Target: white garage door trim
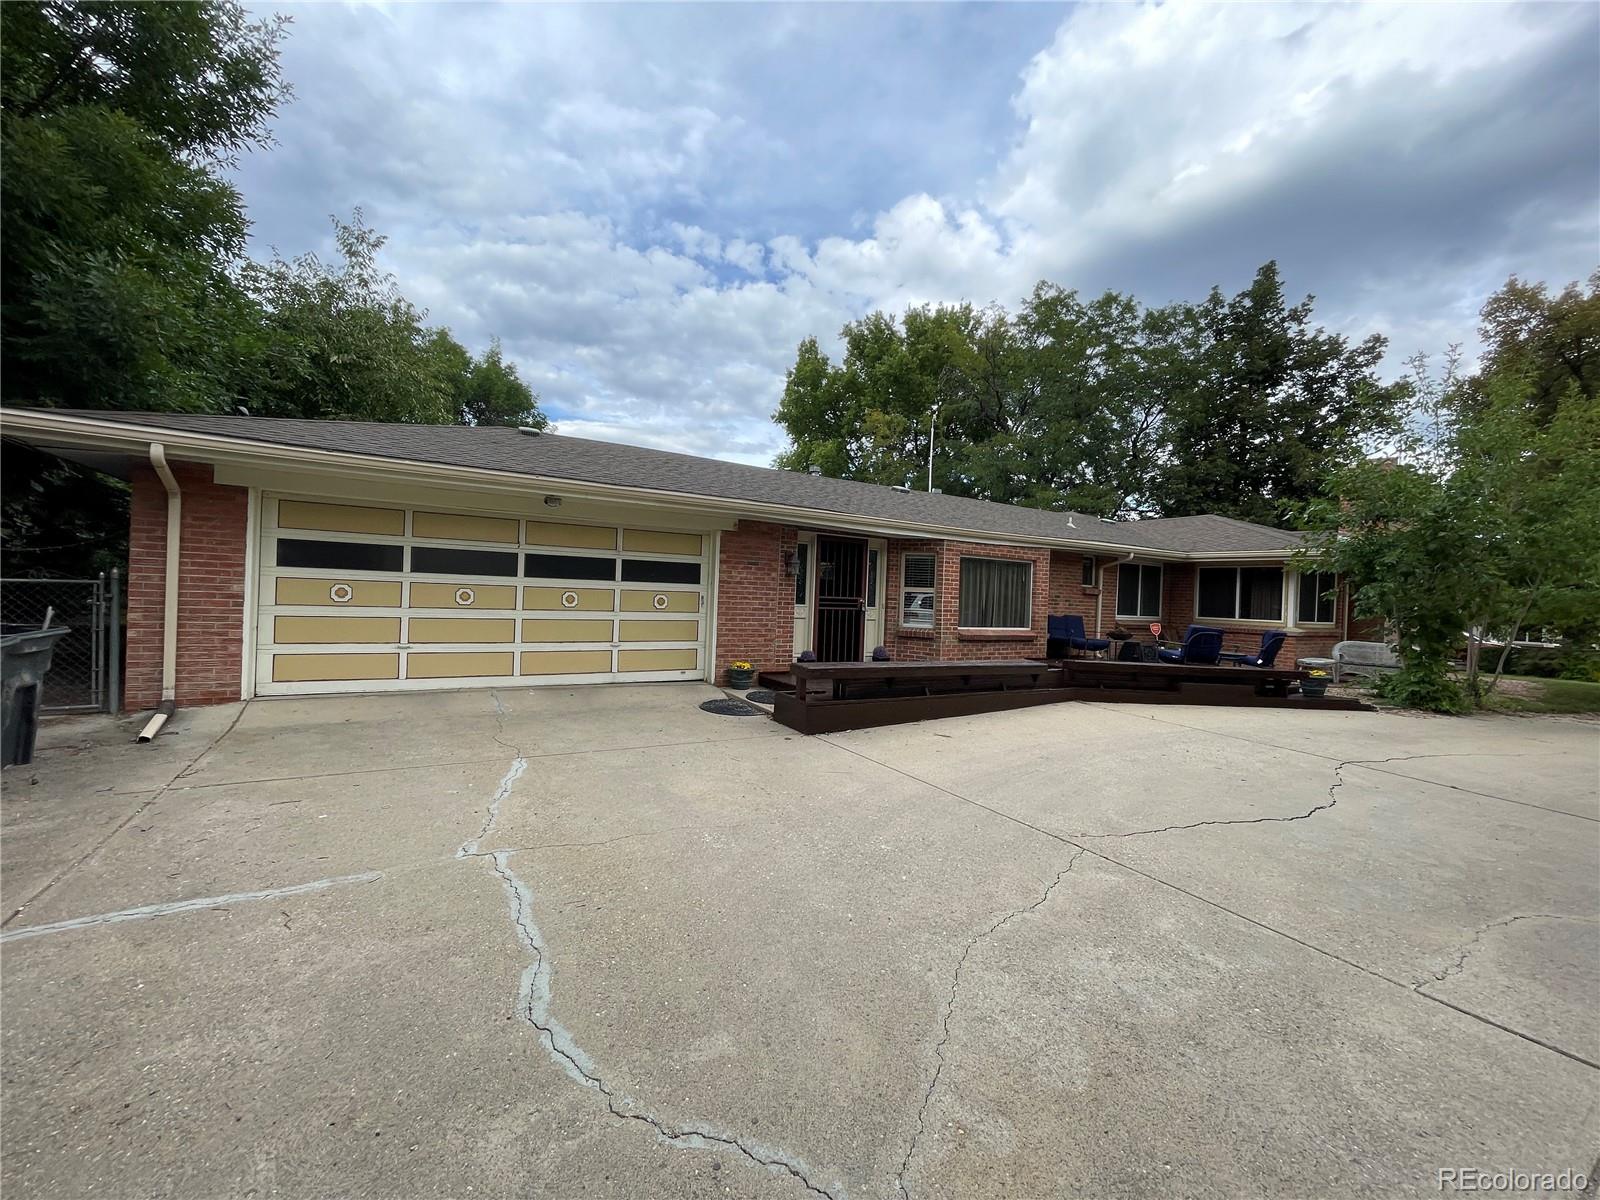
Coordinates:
[382,625]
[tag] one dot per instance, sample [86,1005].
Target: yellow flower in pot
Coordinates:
[741,674]
[1316,685]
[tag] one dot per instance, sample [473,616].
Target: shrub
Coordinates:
[1423,685]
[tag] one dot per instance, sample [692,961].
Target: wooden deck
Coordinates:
[829,697]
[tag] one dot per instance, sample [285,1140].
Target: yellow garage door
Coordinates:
[357,598]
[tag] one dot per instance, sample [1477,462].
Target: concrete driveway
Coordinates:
[596,942]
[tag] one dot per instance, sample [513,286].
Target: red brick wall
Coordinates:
[211,577]
[755,597]
[1069,595]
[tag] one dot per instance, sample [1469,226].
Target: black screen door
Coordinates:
[841,599]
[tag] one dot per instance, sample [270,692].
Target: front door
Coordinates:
[841,607]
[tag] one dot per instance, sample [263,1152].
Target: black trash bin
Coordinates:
[24,659]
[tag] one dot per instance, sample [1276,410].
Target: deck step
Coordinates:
[778,681]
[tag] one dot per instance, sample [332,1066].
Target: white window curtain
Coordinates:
[996,594]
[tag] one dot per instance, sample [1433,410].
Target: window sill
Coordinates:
[1144,618]
[916,633]
[1238,623]
[996,635]
[1090,589]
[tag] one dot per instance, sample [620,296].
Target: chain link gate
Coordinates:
[86,669]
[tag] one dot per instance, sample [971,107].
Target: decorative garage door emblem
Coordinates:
[660,601]
[569,599]
[465,596]
[340,593]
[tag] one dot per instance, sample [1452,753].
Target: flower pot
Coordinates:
[1313,687]
[741,679]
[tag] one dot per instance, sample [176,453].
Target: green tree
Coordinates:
[1232,406]
[1487,523]
[119,235]
[1262,403]
[122,254]
[341,341]
[494,394]
[121,232]
[1553,339]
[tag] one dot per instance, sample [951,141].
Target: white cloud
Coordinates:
[650,210]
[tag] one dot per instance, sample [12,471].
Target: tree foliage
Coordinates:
[1488,519]
[1230,405]
[341,341]
[123,257]
[121,236]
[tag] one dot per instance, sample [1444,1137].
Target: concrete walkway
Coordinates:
[598,942]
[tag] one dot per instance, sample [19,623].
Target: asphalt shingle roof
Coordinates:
[581,460]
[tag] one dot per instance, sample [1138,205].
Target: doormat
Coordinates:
[761,696]
[730,707]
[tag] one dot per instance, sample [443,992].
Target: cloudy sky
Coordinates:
[652,205]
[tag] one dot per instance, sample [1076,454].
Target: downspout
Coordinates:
[169,617]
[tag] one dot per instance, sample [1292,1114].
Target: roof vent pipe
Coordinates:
[813,469]
[898,487]
[169,615]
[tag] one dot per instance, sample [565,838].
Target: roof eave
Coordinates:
[46,428]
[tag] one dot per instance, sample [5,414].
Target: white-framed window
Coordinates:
[916,590]
[1139,591]
[1239,593]
[1318,591]
[996,593]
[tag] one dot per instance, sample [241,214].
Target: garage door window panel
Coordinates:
[568,566]
[322,555]
[443,560]
[649,570]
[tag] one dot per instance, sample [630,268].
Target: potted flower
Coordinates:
[1316,685]
[741,674]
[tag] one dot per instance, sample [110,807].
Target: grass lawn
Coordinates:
[1525,693]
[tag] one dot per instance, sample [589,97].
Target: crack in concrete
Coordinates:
[534,999]
[120,825]
[949,1011]
[146,911]
[1460,963]
[1332,801]
[1264,926]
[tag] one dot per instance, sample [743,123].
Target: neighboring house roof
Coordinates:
[581,460]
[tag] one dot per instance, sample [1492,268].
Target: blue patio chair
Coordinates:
[1271,642]
[1066,634]
[1202,647]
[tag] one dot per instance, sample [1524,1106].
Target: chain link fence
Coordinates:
[86,670]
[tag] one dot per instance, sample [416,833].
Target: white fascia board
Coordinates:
[49,428]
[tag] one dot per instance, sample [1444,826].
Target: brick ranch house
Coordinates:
[327,556]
